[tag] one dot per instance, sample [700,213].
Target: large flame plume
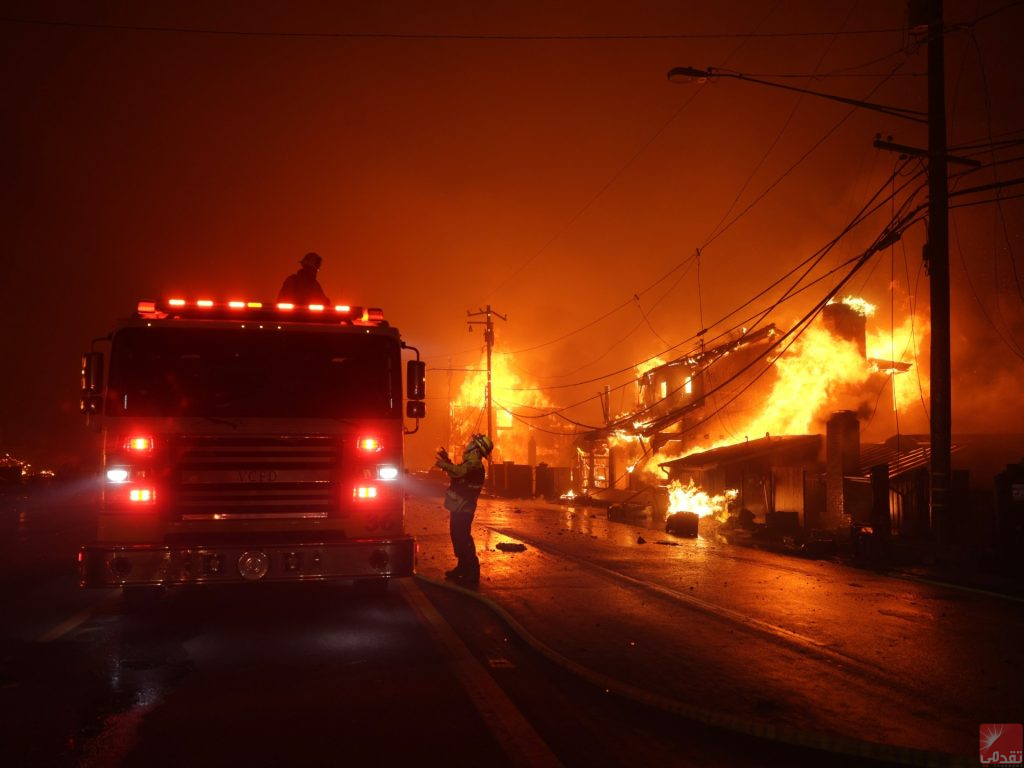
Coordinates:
[900,345]
[820,373]
[515,398]
[810,375]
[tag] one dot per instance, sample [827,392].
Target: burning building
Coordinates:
[755,416]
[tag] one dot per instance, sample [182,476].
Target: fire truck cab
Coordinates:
[245,441]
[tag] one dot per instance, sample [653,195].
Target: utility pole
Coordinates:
[448,427]
[488,325]
[937,255]
[924,15]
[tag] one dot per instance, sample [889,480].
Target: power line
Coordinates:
[441,36]
[891,232]
[866,210]
[718,231]
[795,332]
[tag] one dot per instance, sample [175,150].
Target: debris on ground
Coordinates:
[508,546]
[682,524]
[641,540]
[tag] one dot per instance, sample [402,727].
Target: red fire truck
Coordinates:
[249,441]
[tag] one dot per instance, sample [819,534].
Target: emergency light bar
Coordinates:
[178,308]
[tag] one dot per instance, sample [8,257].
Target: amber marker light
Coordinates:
[142,495]
[236,304]
[204,303]
[365,492]
[176,302]
[285,305]
[316,307]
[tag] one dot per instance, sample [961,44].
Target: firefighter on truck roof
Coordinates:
[467,480]
[302,288]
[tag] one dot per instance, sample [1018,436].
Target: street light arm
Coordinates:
[704,74]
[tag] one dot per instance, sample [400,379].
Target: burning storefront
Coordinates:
[772,478]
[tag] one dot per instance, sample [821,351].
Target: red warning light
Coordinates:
[369,445]
[139,443]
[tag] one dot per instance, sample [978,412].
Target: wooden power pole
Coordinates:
[488,325]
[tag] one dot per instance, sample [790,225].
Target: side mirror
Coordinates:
[92,383]
[415,380]
[415,409]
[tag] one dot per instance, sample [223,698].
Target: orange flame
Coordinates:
[690,498]
[821,372]
[513,395]
[810,375]
[901,346]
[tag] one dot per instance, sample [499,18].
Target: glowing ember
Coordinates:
[690,498]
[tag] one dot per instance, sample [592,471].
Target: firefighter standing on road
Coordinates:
[467,480]
[302,288]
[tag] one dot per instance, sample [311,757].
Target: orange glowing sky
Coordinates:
[445,160]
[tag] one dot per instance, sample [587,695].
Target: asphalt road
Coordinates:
[586,648]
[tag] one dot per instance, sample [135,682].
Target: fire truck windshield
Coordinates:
[238,372]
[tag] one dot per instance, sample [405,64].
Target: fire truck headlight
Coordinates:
[387,472]
[117,475]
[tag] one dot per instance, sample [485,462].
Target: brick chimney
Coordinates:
[842,457]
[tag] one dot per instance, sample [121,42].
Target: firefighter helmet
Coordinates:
[311,259]
[482,443]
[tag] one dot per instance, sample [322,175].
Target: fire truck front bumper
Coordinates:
[120,565]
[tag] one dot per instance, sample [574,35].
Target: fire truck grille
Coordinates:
[256,477]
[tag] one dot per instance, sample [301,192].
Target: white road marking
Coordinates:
[521,743]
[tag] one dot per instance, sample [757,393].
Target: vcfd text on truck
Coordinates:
[245,441]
